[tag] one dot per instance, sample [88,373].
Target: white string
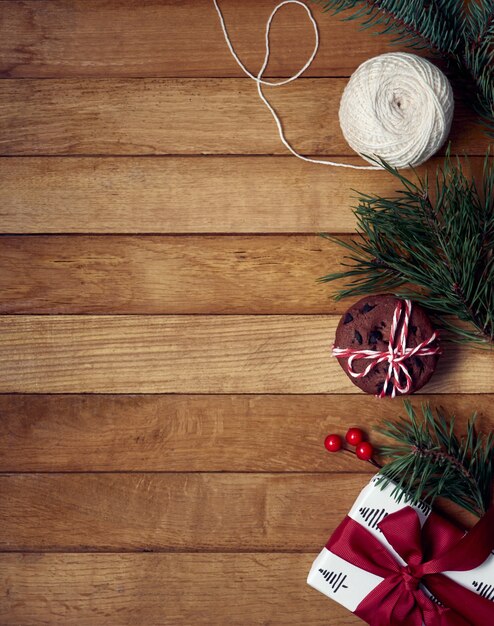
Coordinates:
[260,81]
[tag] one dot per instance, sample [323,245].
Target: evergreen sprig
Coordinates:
[436,249]
[462,33]
[428,460]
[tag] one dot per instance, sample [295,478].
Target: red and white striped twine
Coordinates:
[396,354]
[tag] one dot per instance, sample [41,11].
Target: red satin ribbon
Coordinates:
[437,547]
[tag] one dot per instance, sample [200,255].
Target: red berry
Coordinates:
[364,451]
[333,443]
[354,436]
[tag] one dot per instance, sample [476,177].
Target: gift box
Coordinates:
[391,562]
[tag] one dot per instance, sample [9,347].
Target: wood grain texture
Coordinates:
[183,194]
[196,354]
[185,512]
[231,490]
[163,590]
[195,274]
[203,433]
[63,38]
[274,274]
[181,116]
[176,511]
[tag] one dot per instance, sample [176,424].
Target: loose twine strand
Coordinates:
[260,81]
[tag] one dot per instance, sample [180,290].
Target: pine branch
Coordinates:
[415,23]
[477,60]
[463,36]
[439,252]
[428,460]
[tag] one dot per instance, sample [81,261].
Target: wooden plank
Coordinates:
[185,512]
[181,116]
[183,195]
[196,354]
[63,38]
[164,589]
[170,275]
[196,512]
[196,274]
[223,433]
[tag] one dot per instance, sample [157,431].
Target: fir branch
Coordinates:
[464,36]
[415,23]
[439,252]
[429,460]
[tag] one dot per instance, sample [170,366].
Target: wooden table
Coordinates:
[165,373]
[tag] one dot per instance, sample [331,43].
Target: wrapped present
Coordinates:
[395,564]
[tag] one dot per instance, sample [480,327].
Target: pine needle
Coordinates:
[437,252]
[462,33]
[428,460]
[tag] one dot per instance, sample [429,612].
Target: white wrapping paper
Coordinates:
[349,585]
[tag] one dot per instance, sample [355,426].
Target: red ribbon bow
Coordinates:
[395,355]
[437,547]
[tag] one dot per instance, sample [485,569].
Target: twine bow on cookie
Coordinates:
[396,354]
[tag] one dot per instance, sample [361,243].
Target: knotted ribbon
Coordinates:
[395,355]
[437,547]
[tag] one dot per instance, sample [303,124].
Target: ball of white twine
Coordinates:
[397,106]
